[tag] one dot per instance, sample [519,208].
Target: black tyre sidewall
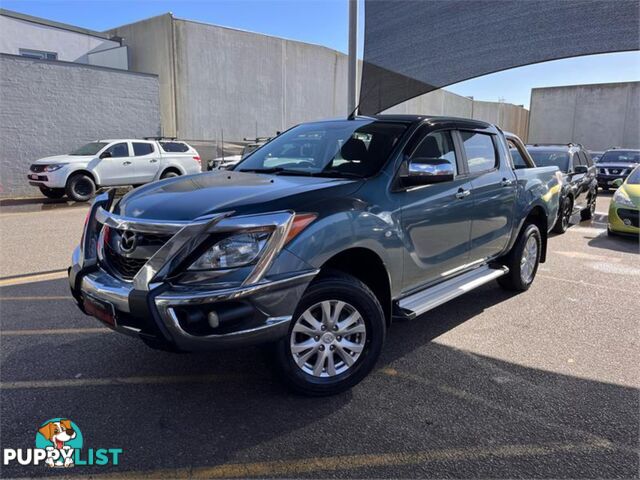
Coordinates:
[350,290]
[73,195]
[169,174]
[513,280]
[558,227]
[587,213]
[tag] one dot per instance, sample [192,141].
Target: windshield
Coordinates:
[347,148]
[634,177]
[620,156]
[550,158]
[89,149]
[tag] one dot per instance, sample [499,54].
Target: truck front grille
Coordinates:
[127,264]
[37,168]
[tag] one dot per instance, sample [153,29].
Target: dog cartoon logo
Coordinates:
[59,437]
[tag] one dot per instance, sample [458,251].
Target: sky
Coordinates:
[325,22]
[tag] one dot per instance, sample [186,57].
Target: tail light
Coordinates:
[196,158]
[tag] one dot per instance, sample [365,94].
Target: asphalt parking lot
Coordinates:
[540,384]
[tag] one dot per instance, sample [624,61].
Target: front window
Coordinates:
[347,148]
[634,177]
[551,158]
[89,149]
[620,156]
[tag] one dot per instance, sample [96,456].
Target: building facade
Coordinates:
[598,116]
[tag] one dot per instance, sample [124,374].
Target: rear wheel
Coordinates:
[54,193]
[81,187]
[169,174]
[523,260]
[335,337]
[564,217]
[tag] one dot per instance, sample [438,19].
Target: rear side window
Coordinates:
[174,147]
[480,151]
[140,149]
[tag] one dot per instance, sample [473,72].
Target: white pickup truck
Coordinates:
[112,163]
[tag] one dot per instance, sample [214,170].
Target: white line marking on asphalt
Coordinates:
[588,256]
[586,284]
[97,382]
[53,331]
[36,277]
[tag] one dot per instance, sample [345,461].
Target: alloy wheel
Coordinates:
[529,260]
[566,214]
[328,338]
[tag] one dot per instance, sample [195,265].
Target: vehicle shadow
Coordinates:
[438,398]
[616,243]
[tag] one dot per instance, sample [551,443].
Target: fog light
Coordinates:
[627,222]
[214,320]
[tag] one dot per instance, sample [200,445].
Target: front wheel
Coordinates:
[81,188]
[54,193]
[335,337]
[523,260]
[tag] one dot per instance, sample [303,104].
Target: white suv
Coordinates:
[112,163]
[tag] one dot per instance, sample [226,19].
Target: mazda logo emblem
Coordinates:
[128,242]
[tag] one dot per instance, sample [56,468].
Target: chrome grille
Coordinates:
[37,168]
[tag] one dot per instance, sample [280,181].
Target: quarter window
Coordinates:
[118,150]
[140,149]
[480,151]
[437,145]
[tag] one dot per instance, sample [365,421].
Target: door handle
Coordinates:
[126,163]
[462,193]
[505,182]
[153,160]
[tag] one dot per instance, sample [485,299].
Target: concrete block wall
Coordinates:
[598,116]
[50,108]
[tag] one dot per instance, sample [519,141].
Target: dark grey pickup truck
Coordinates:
[317,241]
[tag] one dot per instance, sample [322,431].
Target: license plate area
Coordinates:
[103,311]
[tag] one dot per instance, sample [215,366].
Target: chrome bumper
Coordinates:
[152,301]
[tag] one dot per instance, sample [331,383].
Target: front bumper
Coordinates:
[624,220]
[55,179]
[606,181]
[162,312]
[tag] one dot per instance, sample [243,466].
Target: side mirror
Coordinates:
[105,155]
[424,171]
[617,182]
[580,169]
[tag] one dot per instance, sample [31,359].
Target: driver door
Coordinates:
[116,168]
[436,218]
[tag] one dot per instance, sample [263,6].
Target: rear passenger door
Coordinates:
[493,191]
[146,160]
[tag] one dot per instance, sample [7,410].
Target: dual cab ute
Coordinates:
[106,163]
[317,241]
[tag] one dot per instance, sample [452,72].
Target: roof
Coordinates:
[51,23]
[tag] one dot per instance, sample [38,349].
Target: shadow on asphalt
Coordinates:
[27,205]
[615,243]
[439,398]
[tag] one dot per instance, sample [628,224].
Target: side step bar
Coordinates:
[432,297]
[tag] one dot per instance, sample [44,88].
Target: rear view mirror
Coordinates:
[580,169]
[105,155]
[424,171]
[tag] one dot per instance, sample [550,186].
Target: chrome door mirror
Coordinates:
[580,169]
[424,171]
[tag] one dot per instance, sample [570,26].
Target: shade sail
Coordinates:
[412,47]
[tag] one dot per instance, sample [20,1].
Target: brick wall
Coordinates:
[50,108]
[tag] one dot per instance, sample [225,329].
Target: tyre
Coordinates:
[564,216]
[81,187]
[523,260]
[169,174]
[589,212]
[54,193]
[335,337]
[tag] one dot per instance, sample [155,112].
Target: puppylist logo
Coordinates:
[59,444]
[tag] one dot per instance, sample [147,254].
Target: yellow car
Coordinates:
[624,210]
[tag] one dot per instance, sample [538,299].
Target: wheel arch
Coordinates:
[368,267]
[538,217]
[83,171]
[171,168]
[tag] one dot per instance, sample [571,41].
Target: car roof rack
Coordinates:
[570,144]
[160,138]
[257,139]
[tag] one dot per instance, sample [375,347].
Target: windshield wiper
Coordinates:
[262,170]
[332,172]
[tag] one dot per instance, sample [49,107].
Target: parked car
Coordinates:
[579,185]
[317,248]
[106,163]
[595,156]
[614,164]
[624,209]
[229,161]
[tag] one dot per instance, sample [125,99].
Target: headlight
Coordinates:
[54,167]
[232,252]
[621,198]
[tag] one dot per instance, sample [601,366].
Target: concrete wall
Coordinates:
[50,108]
[68,45]
[512,118]
[597,116]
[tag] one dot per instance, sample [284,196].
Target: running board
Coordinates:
[430,298]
